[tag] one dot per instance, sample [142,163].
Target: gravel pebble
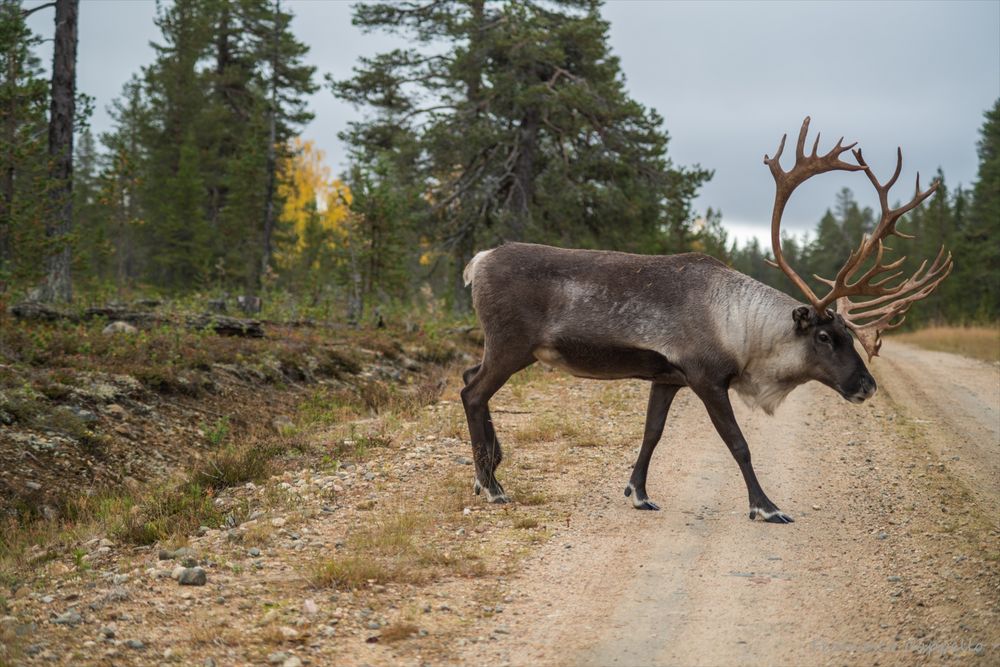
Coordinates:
[71,617]
[192,576]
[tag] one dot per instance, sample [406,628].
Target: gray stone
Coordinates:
[277,657]
[192,576]
[119,328]
[117,594]
[254,552]
[108,633]
[463,460]
[882,535]
[71,618]
[136,644]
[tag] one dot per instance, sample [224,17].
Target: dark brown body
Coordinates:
[675,321]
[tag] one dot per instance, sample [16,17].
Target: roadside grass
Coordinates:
[398,631]
[978,342]
[547,428]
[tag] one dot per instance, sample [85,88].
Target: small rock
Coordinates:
[34,486]
[277,522]
[292,662]
[815,508]
[177,572]
[117,594]
[882,535]
[288,633]
[116,411]
[254,552]
[463,460]
[71,618]
[467,511]
[119,327]
[309,607]
[277,657]
[192,576]
[119,579]
[108,632]
[894,578]
[136,644]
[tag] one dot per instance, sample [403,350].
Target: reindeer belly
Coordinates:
[608,361]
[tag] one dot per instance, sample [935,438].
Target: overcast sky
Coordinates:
[728,77]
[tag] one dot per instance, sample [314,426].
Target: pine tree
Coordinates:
[62,110]
[121,181]
[521,129]
[23,152]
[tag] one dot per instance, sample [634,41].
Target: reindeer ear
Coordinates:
[803,318]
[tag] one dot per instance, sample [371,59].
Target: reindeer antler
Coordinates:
[867,319]
[786,181]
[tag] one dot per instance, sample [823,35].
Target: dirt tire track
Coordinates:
[878,569]
[960,398]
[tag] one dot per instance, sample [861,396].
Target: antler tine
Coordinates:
[886,308]
[785,183]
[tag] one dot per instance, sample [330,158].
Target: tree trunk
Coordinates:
[10,137]
[272,161]
[524,176]
[59,225]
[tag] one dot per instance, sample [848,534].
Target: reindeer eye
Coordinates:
[823,337]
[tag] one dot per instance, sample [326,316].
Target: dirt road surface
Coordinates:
[870,573]
[893,559]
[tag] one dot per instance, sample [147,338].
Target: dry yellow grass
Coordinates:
[981,342]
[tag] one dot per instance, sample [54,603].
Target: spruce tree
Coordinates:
[979,267]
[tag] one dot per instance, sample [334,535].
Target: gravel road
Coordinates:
[891,560]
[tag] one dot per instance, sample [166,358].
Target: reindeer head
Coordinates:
[836,362]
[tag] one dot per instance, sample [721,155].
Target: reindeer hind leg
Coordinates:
[482,383]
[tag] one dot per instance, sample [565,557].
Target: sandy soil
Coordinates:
[894,557]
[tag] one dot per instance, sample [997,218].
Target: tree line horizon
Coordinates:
[500,121]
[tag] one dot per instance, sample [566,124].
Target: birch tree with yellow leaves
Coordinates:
[313,220]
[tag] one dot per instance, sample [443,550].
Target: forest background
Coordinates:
[499,121]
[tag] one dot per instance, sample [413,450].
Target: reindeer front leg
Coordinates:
[716,400]
[660,398]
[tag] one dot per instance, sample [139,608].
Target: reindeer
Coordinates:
[688,320]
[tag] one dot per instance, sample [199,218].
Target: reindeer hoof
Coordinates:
[495,495]
[640,501]
[770,516]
